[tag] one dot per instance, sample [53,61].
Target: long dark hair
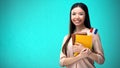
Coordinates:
[72,26]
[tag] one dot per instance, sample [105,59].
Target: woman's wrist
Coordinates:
[93,56]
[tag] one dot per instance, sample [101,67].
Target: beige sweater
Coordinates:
[85,62]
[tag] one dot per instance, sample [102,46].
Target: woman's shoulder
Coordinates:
[93,31]
[66,36]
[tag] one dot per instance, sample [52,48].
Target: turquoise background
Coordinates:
[32,31]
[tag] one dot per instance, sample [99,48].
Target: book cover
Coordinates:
[84,39]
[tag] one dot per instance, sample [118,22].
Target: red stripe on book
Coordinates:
[91,30]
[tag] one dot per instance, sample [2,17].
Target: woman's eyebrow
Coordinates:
[81,12]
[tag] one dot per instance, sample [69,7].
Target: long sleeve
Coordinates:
[62,55]
[97,46]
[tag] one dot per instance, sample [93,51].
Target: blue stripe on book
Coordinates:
[95,31]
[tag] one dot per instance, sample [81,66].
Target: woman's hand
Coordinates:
[78,47]
[85,52]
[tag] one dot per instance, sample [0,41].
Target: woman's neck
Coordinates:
[79,28]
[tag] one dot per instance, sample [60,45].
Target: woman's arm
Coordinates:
[69,60]
[97,55]
[64,61]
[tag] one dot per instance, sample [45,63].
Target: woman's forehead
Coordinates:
[77,9]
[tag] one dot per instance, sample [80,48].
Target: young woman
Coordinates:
[80,23]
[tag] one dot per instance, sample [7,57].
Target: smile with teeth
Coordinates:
[77,21]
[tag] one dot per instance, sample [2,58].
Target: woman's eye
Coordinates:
[81,14]
[73,13]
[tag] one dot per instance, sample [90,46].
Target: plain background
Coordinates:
[32,31]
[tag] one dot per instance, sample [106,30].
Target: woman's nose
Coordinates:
[77,16]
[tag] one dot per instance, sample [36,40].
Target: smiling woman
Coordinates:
[80,23]
[31,31]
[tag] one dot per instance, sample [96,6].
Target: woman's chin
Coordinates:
[78,24]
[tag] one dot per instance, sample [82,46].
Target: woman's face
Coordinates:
[78,16]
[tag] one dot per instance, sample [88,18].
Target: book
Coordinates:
[84,39]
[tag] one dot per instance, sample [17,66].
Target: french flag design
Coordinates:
[93,30]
